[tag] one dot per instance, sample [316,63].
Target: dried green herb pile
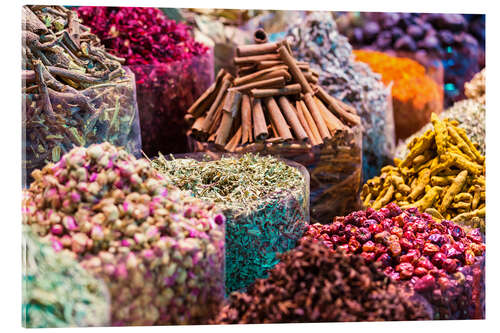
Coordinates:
[313,284]
[74,92]
[57,291]
[265,202]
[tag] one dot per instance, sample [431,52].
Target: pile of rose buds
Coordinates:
[159,250]
[441,260]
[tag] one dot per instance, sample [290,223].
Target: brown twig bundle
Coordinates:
[273,99]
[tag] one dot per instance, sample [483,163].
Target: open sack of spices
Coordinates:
[312,284]
[317,41]
[172,69]
[74,92]
[415,94]
[265,201]
[470,114]
[57,291]
[439,260]
[159,250]
[443,174]
[275,106]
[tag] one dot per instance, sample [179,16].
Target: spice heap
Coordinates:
[274,106]
[443,175]
[159,250]
[265,202]
[74,92]
[57,291]
[172,69]
[440,259]
[476,88]
[469,113]
[312,284]
[457,40]
[317,41]
[414,94]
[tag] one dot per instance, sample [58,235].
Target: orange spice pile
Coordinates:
[414,94]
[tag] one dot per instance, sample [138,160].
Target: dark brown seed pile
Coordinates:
[312,284]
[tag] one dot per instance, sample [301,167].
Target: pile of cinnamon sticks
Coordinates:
[272,99]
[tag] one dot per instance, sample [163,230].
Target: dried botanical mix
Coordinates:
[74,92]
[57,291]
[476,87]
[441,260]
[317,41]
[443,174]
[265,202]
[172,69]
[159,250]
[275,107]
[312,284]
[415,95]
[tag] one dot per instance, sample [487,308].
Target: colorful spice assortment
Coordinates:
[57,291]
[317,41]
[440,259]
[312,284]
[469,113]
[414,94]
[274,106]
[171,68]
[159,250]
[74,92]
[443,175]
[265,202]
[457,40]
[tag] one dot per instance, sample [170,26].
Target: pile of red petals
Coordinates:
[141,35]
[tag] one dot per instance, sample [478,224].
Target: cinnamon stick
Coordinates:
[278,119]
[290,89]
[273,82]
[269,63]
[294,69]
[303,122]
[224,129]
[255,75]
[259,121]
[233,143]
[256,49]
[260,36]
[246,119]
[196,128]
[311,123]
[332,122]
[196,108]
[216,120]
[336,108]
[226,83]
[292,119]
[255,59]
[315,113]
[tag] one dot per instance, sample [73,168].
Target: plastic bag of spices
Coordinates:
[159,250]
[74,93]
[164,93]
[265,201]
[57,291]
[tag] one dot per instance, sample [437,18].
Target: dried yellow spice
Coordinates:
[443,175]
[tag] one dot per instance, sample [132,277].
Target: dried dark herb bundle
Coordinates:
[312,284]
[74,92]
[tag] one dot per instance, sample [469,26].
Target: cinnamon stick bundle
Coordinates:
[273,100]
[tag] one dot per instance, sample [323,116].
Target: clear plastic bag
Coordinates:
[335,171]
[103,112]
[164,93]
[254,236]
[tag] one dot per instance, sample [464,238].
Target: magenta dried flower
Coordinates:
[172,69]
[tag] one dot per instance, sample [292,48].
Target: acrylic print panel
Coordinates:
[328,167]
